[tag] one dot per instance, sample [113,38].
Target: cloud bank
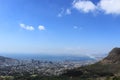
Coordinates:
[105,6]
[110,6]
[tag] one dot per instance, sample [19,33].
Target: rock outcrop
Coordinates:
[113,57]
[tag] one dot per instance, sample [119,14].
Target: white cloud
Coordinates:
[61,13]
[27,27]
[68,11]
[40,27]
[110,6]
[106,6]
[84,6]
[75,27]
[64,12]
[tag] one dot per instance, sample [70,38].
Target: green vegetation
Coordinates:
[38,77]
[6,78]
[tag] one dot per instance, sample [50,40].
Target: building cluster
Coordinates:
[47,68]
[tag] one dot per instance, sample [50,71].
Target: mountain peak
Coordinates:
[113,57]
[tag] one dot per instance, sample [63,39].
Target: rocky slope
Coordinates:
[113,57]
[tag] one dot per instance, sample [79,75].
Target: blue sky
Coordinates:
[59,26]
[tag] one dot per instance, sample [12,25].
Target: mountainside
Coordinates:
[113,57]
[4,61]
[108,67]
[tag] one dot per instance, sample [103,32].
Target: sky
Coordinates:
[73,27]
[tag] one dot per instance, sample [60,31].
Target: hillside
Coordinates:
[5,61]
[108,67]
[113,57]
